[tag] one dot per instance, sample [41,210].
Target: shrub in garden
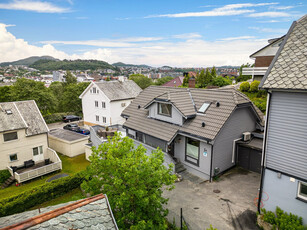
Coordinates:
[244,87]
[39,194]
[254,86]
[4,175]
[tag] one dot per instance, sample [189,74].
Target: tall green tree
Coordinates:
[200,80]
[133,182]
[213,72]
[163,80]
[69,78]
[208,78]
[5,94]
[57,89]
[26,89]
[141,80]
[186,80]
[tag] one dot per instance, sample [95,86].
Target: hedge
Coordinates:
[55,117]
[244,86]
[254,86]
[39,194]
[4,175]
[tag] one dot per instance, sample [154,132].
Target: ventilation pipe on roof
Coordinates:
[203,124]
[139,106]
[217,104]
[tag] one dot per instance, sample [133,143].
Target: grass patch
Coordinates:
[70,166]
[75,194]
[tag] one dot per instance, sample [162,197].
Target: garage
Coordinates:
[249,154]
[67,142]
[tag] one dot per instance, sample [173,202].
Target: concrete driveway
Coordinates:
[225,204]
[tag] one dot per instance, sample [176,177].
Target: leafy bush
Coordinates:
[55,117]
[244,87]
[261,104]
[261,93]
[243,78]
[221,81]
[39,194]
[4,175]
[283,220]
[254,86]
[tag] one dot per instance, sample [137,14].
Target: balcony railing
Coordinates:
[260,71]
[39,171]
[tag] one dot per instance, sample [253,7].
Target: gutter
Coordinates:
[264,150]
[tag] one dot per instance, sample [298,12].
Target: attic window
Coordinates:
[8,112]
[204,107]
[165,109]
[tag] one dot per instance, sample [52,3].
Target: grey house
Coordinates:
[196,127]
[284,173]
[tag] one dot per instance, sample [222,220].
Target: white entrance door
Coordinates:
[38,154]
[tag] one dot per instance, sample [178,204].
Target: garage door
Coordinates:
[249,159]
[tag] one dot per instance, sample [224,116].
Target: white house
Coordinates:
[103,102]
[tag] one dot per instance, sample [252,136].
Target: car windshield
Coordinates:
[74,125]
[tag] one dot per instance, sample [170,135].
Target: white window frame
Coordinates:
[97,118]
[12,139]
[103,104]
[96,104]
[299,189]
[104,119]
[12,155]
[39,150]
[94,90]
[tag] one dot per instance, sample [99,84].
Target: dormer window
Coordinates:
[204,107]
[165,109]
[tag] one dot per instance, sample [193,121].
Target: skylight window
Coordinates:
[204,107]
[8,111]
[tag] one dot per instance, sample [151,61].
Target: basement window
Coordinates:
[302,190]
[13,157]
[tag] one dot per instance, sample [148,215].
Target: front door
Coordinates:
[38,154]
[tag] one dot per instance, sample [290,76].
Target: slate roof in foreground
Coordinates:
[90,213]
[24,115]
[288,69]
[214,118]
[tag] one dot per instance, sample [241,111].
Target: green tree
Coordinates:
[70,101]
[69,78]
[208,78]
[57,89]
[186,80]
[213,72]
[221,81]
[163,80]
[5,93]
[141,80]
[133,182]
[200,79]
[26,89]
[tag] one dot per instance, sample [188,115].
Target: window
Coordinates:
[37,150]
[96,104]
[94,89]
[204,107]
[104,119]
[192,151]
[10,136]
[103,104]
[13,157]
[302,190]
[139,136]
[165,109]
[97,118]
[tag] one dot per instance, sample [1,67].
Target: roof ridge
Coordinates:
[52,214]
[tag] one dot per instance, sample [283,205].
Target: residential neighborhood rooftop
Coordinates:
[66,135]
[90,213]
[188,101]
[288,69]
[22,115]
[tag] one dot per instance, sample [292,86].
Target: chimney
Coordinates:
[192,82]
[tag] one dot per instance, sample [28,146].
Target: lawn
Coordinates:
[70,166]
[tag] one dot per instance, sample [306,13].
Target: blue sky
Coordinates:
[177,33]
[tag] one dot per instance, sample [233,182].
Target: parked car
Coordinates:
[84,131]
[70,118]
[72,127]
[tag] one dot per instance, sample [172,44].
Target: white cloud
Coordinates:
[237,38]
[227,10]
[195,52]
[269,30]
[33,5]
[187,36]
[282,7]
[270,14]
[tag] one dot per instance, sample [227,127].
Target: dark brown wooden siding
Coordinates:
[263,61]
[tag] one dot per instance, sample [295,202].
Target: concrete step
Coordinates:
[179,168]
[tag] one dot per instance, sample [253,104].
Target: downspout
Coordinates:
[264,150]
[234,149]
[211,163]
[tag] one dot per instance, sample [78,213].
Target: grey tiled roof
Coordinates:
[214,118]
[25,115]
[95,215]
[116,90]
[288,70]
[67,135]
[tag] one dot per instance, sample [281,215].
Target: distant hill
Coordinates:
[27,61]
[71,65]
[120,64]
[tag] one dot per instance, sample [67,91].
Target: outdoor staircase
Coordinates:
[8,182]
[179,167]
